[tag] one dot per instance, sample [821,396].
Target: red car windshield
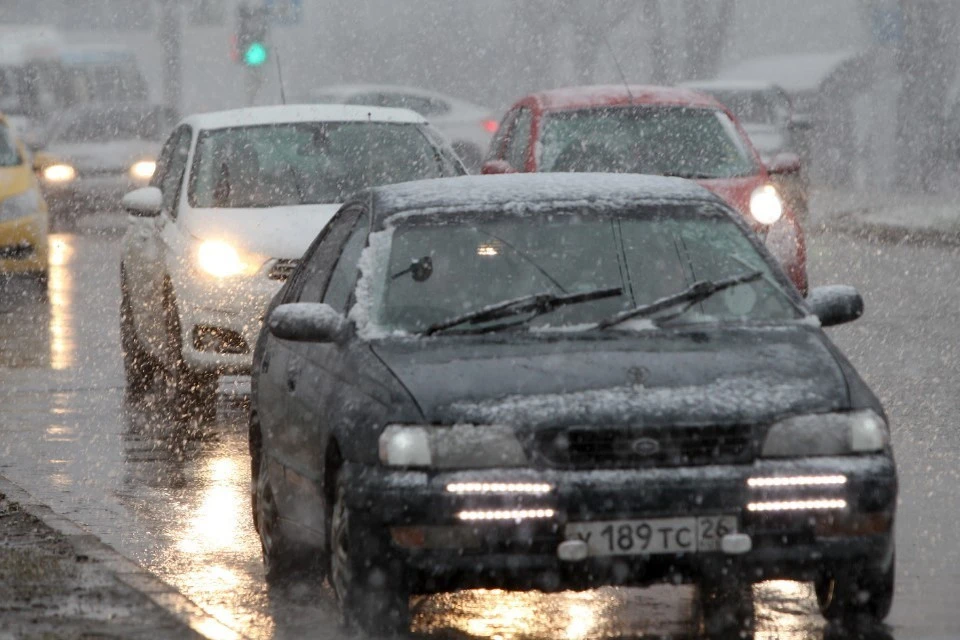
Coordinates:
[672,141]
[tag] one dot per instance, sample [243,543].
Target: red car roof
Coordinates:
[616,95]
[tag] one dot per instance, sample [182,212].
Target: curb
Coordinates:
[127,572]
[853,223]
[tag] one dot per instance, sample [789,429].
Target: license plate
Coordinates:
[654,536]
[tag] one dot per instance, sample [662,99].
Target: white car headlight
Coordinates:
[766,206]
[458,447]
[143,170]
[59,173]
[221,260]
[828,434]
[20,206]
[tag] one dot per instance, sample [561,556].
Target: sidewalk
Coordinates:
[887,216]
[59,581]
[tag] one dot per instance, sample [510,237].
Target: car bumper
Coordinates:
[220,320]
[24,244]
[89,193]
[411,517]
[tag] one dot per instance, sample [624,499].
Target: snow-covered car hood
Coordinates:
[275,232]
[118,155]
[720,376]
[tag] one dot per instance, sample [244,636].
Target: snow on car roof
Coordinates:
[280,114]
[527,191]
[617,95]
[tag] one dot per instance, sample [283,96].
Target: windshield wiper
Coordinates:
[689,175]
[697,292]
[536,304]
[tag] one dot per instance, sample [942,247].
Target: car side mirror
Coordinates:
[800,123]
[41,160]
[835,304]
[307,322]
[496,167]
[784,164]
[144,203]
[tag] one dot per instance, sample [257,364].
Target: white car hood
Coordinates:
[274,232]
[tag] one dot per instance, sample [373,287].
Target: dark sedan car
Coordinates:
[560,382]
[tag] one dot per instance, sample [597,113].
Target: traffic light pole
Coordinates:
[170,36]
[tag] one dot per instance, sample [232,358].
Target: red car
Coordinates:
[653,130]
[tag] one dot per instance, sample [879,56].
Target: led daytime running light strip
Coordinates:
[798,505]
[797,481]
[534,488]
[507,514]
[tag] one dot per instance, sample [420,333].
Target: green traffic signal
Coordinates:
[255,55]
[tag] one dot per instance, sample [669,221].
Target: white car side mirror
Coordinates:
[144,203]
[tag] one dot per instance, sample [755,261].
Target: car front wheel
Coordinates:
[857,591]
[370,598]
[139,367]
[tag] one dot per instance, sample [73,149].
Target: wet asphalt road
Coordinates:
[176,500]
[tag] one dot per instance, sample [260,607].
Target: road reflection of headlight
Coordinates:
[59,173]
[765,205]
[219,259]
[143,169]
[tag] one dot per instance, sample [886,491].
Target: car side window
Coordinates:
[320,262]
[172,177]
[496,144]
[519,140]
[345,273]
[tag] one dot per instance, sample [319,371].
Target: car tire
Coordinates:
[281,560]
[725,609]
[139,367]
[190,394]
[856,592]
[376,606]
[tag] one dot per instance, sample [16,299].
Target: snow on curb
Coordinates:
[126,572]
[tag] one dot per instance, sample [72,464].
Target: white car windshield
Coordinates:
[308,163]
[478,261]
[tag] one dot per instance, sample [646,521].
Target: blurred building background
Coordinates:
[892,91]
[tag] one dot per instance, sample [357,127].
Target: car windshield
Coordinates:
[106,125]
[308,163]
[479,261]
[9,154]
[676,141]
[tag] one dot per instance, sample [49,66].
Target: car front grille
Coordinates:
[282,269]
[586,447]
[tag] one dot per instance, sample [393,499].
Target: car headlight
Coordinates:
[828,434]
[458,447]
[221,260]
[143,170]
[20,205]
[766,206]
[59,173]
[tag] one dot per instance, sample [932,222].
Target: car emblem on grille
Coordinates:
[645,447]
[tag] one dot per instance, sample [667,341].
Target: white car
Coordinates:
[237,197]
[468,126]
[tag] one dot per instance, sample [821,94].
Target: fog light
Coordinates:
[797,481]
[507,514]
[798,505]
[533,488]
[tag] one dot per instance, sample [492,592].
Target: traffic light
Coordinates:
[252,48]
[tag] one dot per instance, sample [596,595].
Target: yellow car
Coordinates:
[23,213]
